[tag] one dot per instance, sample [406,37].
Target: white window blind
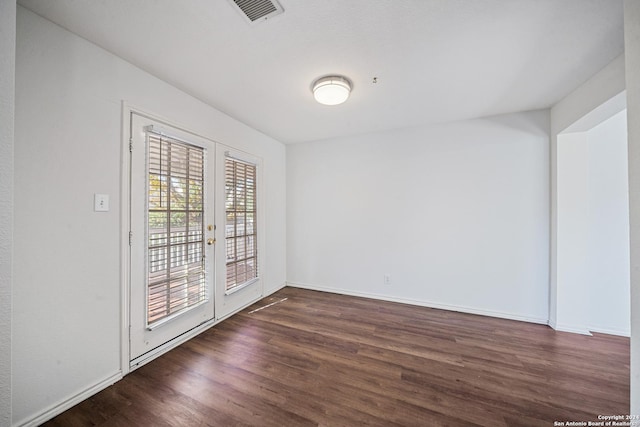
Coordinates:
[176,265]
[240,228]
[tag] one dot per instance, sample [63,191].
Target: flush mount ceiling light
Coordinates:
[331,90]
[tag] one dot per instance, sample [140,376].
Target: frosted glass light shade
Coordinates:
[331,90]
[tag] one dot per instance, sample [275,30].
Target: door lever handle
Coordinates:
[211,241]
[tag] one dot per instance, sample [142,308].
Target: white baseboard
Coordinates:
[268,292]
[561,327]
[587,330]
[617,332]
[421,303]
[71,402]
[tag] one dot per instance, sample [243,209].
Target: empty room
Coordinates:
[319,213]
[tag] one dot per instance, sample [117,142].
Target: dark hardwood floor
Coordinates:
[320,359]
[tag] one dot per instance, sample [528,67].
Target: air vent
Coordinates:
[258,10]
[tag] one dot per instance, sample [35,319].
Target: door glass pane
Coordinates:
[175,226]
[240,227]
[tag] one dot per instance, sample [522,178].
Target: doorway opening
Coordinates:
[593,283]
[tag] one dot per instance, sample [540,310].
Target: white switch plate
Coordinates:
[101,202]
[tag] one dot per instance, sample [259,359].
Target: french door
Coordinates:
[172,239]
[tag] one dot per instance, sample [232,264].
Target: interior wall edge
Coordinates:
[585,99]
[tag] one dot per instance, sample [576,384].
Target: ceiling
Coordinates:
[435,60]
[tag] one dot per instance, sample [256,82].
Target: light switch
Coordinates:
[101,202]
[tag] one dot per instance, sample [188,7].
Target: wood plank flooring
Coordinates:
[320,359]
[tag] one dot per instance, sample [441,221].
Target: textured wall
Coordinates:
[7,97]
[632,54]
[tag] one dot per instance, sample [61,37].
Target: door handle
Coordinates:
[211,241]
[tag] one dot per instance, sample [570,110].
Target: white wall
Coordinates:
[632,49]
[582,102]
[457,214]
[7,84]
[67,305]
[593,229]
[608,256]
[573,198]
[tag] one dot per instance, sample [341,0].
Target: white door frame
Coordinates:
[125,252]
[125,256]
[142,336]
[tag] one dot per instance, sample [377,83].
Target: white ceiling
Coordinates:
[435,60]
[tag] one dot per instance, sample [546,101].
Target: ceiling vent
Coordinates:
[258,10]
